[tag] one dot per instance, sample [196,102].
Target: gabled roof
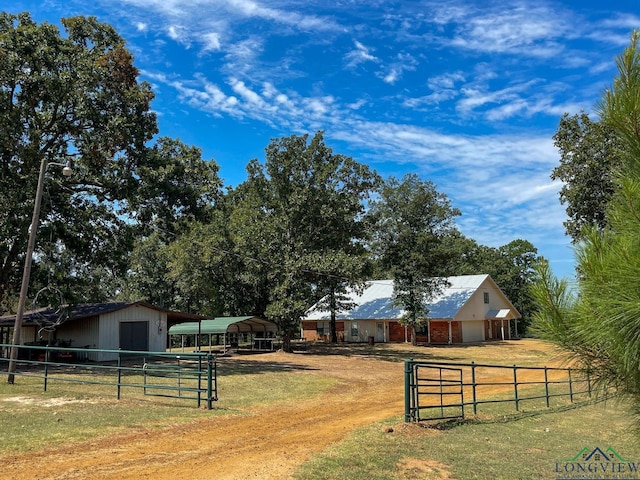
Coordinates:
[376,301]
[221,325]
[86,310]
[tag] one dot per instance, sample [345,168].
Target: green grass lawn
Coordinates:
[33,419]
[518,447]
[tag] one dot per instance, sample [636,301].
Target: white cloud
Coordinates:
[141,26]
[175,32]
[445,81]
[402,63]
[622,21]
[246,93]
[359,55]
[211,42]
[519,29]
[242,56]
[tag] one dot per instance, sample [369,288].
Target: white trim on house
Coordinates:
[474,301]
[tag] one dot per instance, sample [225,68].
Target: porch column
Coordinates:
[502,328]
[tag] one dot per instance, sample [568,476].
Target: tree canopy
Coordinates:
[75,98]
[301,214]
[412,223]
[589,154]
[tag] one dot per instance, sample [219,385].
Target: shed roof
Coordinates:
[86,310]
[220,325]
[376,301]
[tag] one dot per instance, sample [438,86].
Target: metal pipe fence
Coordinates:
[188,376]
[443,390]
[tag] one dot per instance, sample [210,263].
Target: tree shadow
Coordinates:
[398,352]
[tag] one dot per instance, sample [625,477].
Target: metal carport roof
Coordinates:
[220,325]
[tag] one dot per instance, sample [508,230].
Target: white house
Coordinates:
[136,326]
[471,308]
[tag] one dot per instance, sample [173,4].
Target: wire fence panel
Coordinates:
[442,390]
[187,376]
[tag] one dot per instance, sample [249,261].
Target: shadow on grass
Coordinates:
[248,367]
[391,353]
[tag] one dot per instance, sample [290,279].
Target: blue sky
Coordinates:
[467,94]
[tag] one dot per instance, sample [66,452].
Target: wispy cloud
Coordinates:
[393,72]
[518,29]
[358,55]
[210,42]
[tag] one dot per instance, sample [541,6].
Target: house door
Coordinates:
[380,332]
[134,336]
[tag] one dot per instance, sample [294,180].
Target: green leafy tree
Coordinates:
[73,97]
[599,323]
[297,213]
[177,189]
[589,154]
[413,222]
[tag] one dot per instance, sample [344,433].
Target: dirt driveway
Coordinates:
[266,442]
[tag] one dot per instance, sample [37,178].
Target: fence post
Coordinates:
[515,386]
[408,381]
[144,375]
[200,379]
[546,385]
[209,381]
[570,386]
[46,367]
[119,373]
[179,377]
[473,387]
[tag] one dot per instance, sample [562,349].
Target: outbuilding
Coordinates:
[257,332]
[470,308]
[138,326]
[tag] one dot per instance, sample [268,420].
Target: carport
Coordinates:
[255,332]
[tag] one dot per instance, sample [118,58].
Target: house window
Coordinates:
[486,297]
[354,330]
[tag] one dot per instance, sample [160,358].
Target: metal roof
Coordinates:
[86,310]
[376,301]
[221,325]
[499,313]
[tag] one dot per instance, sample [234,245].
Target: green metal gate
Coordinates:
[436,392]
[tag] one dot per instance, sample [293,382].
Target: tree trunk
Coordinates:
[286,342]
[414,340]
[332,322]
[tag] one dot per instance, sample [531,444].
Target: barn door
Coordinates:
[134,336]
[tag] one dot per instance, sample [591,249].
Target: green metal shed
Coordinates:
[260,331]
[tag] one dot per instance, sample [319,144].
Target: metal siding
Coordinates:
[110,327]
[83,332]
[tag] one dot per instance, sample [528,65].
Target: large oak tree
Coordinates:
[414,224]
[74,96]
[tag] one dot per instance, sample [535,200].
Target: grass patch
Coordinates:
[523,447]
[74,411]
